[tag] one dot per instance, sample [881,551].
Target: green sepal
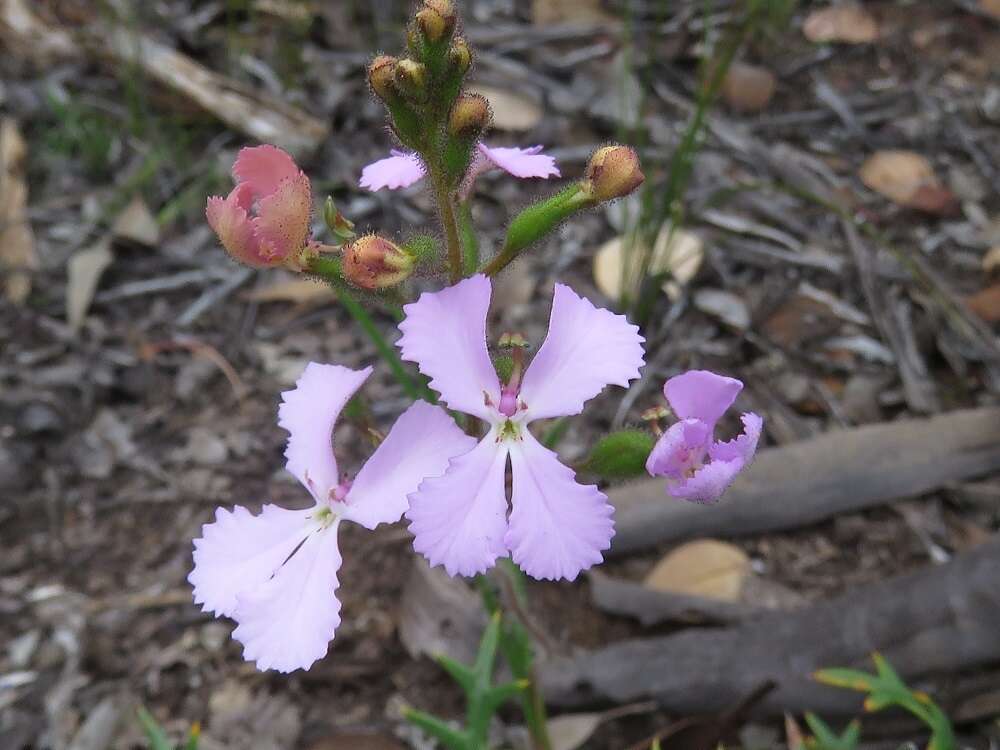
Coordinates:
[538,220]
[620,455]
[456,159]
[437,728]
[407,123]
[423,247]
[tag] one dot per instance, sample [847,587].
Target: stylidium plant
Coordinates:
[276,573]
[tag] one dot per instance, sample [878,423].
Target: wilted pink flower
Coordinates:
[557,527]
[696,466]
[264,221]
[403,169]
[276,573]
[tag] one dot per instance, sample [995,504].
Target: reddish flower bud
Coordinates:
[372,262]
[381,74]
[470,116]
[613,172]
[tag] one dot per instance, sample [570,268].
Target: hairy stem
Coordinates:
[446,211]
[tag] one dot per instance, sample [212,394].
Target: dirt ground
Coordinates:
[121,429]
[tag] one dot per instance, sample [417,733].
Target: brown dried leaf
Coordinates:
[85,270]
[681,258]
[986,304]
[511,110]
[991,261]
[568,11]
[297,291]
[907,178]
[748,88]
[17,242]
[705,567]
[848,23]
[990,8]
[137,223]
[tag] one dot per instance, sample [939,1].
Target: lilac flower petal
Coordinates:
[419,445]
[521,162]
[558,527]
[459,520]
[700,394]
[394,172]
[708,483]
[445,334]
[288,622]
[240,550]
[309,412]
[586,349]
[679,449]
[742,447]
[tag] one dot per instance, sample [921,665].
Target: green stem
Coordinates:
[329,270]
[446,211]
[470,241]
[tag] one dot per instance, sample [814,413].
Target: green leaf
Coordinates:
[827,739]
[437,728]
[620,455]
[158,739]
[464,676]
[852,679]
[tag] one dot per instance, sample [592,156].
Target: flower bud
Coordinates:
[381,74]
[436,19]
[372,262]
[460,56]
[470,116]
[613,172]
[411,79]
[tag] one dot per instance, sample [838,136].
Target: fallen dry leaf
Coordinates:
[568,11]
[85,270]
[907,178]
[848,23]
[991,261]
[297,291]
[748,88]
[511,110]
[986,304]
[990,8]
[137,223]
[17,243]
[704,567]
[681,258]
[570,731]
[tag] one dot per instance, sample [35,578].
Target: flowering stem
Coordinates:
[329,270]
[470,242]
[446,210]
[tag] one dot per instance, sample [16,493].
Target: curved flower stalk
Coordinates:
[557,527]
[264,221]
[696,466]
[276,573]
[404,168]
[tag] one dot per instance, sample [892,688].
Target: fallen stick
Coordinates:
[936,620]
[802,483]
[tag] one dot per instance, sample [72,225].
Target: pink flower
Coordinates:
[268,180]
[697,467]
[556,527]
[403,169]
[276,573]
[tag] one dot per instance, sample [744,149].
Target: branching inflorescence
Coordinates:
[275,573]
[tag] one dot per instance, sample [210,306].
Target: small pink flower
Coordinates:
[403,169]
[696,466]
[268,180]
[556,527]
[276,573]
